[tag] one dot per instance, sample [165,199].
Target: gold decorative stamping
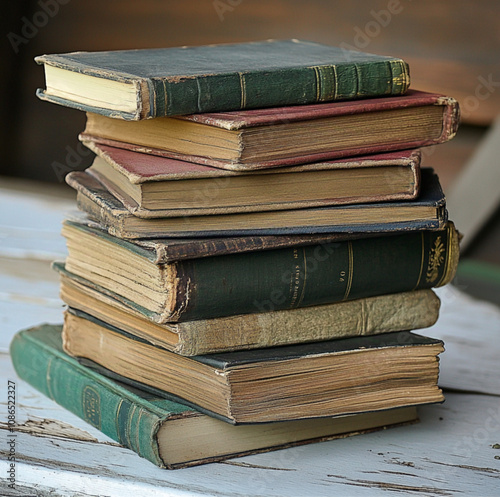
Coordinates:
[436,258]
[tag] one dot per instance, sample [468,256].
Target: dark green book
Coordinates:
[313,380]
[261,281]
[166,433]
[394,312]
[139,84]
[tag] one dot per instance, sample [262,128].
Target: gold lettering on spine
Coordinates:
[164,98]
[421,261]
[295,282]
[91,402]
[400,77]
[243,88]
[356,70]
[448,255]
[305,277]
[335,82]
[318,83]
[326,82]
[351,270]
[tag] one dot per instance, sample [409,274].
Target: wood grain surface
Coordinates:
[450,452]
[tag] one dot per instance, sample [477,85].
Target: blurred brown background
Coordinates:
[452,47]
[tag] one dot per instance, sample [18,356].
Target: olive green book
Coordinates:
[140,84]
[265,280]
[369,316]
[167,433]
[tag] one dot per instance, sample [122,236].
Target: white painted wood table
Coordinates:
[450,452]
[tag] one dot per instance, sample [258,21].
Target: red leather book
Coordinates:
[262,138]
[153,187]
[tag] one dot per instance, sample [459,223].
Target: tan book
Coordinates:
[284,136]
[428,211]
[369,316]
[154,187]
[167,433]
[310,380]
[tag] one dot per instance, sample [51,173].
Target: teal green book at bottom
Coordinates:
[166,433]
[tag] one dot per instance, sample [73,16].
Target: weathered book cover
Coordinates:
[245,123]
[287,278]
[426,212]
[164,249]
[377,178]
[185,80]
[158,429]
[382,314]
[290,382]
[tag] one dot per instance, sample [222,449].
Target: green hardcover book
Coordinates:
[139,84]
[262,281]
[373,315]
[169,434]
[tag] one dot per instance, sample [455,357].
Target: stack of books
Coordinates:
[258,240]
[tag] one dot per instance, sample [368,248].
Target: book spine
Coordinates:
[294,86]
[95,212]
[361,317]
[125,420]
[312,275]
[451,118]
